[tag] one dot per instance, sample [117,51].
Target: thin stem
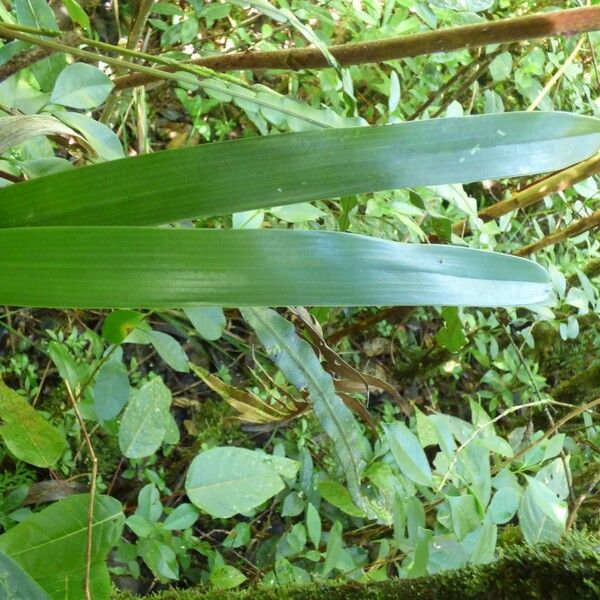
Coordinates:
[575,228]
[581,500]
[536,192]
[478,430]
[559,73]
[92,499]
[552,430]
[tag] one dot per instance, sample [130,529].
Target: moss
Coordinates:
[569,569]
[580,387]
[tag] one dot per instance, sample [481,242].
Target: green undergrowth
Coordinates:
[569,569]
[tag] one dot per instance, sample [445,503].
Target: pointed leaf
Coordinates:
[80,85]
[50,545]
[408,453]
[144,421]
[251,173]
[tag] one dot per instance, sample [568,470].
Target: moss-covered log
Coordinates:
[570,569]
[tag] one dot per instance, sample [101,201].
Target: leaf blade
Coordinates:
[119,267]
[197,181]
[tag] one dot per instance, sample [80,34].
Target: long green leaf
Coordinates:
[277,108]
[138,267]
[50,545]
[251,173]
[301,367]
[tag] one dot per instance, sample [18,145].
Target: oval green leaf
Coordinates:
[227,481]
[80,85]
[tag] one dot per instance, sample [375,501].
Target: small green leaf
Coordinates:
[451,336]
[297,213]
[483,542]
[208,321]
[501,67]
[226,577]
[313,525]
[184,516]
[38,14]
[465,517]
[77,14]
[504,504]
[139,525]
[103,140]
[80,85]
[144,421]
[111,390]
[119,324]
[334,548]
[65,363]
[337,495]
[498,445]
[159,557]
[293,505]
[408,453]
[169,349]
[149,505]
[418,567]
[542,516]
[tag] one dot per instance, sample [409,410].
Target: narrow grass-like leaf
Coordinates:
[301,367]
[285,14]
[276,108]
[267,171]
[251,408]
[123,267]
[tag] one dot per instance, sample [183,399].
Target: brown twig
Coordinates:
[554,79]
[33,55]
[441,91]
[566,22]
[22,61]
[580,501]
[575,228]
[536,192]
[467,83]
[92,499]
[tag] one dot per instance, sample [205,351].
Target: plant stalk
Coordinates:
[565,22]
